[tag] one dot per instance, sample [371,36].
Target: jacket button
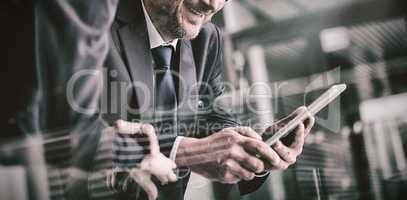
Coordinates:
[200,104]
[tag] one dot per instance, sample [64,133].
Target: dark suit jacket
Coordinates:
[197,61]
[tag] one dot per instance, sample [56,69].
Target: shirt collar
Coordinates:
[154,36]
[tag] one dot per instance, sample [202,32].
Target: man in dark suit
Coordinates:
[165,68]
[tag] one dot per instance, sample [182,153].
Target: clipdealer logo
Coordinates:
[110,96]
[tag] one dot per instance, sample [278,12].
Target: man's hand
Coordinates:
[290,147]
[228,156]
[153,164]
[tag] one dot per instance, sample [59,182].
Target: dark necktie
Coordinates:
[165,94]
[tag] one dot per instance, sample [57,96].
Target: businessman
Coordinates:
[162,50]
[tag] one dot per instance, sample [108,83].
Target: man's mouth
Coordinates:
[195,11]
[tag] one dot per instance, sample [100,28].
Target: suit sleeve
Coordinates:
[212,115]
[217,117]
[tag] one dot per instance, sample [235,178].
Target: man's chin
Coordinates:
[191,35]
[191,31]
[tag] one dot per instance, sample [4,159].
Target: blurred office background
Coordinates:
[300,47]
[357,150]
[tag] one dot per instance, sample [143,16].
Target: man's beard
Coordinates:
[174,27]
[171,24]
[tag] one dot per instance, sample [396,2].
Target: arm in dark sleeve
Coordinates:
[212,115]
[215,116]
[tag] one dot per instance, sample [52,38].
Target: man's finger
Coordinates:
[248,161]
[283,165]
[299,137]
[145,182]
[247,131]
[234,168]
[111,180]
[300,110]
[262,150]
[230,178]
[285,153]
[130,128]
[172,177]
[124,127]
[151,190]
[281,123]
[309,123]
[163,179]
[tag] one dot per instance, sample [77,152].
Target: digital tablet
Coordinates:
[317,105]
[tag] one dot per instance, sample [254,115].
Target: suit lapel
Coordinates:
[188,92]
[136,50]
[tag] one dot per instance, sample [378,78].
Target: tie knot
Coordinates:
[162,56]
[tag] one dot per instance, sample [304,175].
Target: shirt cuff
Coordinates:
[174,149]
